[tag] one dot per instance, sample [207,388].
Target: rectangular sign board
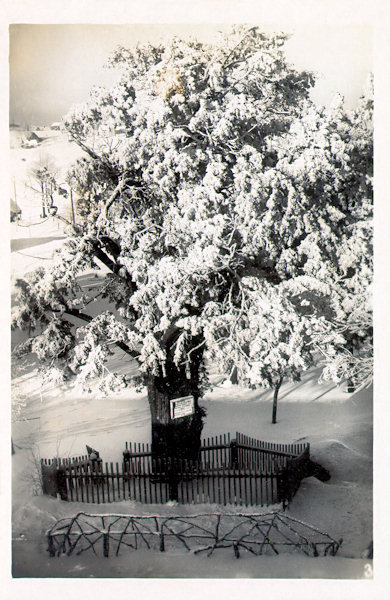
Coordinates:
[182,407]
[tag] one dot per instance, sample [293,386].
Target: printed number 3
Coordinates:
[367,570]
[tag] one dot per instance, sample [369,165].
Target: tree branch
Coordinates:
[74,312]
[93,154]
[102,256]
[117,191]
[237,46]
[112,170]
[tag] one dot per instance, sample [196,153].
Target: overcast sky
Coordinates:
[54,66]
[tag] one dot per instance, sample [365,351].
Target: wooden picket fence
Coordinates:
[240,471]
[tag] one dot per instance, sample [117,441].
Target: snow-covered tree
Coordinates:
[219,207]
[353,360]
[43,175]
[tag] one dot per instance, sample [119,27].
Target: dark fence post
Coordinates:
[61,483]
[173,480]
[50,545]
[49,479]
[291,475]
[54,480]
[126,459]
[106,544]
[233,454]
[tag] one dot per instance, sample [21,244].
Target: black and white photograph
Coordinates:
[191,234]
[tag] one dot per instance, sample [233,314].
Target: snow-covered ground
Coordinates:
[60,421]
[338,428]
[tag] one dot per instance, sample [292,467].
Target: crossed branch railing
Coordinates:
[258,534]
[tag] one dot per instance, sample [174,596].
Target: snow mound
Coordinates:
[31,519]
[343,462]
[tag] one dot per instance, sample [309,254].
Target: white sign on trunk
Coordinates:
[182,407]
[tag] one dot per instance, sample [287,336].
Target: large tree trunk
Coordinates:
[176,438]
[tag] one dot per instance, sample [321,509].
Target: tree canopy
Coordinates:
[231,215]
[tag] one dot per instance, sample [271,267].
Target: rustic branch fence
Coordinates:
[241,471]
[258,534]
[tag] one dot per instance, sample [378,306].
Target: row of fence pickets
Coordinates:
[225,439]
[240,471]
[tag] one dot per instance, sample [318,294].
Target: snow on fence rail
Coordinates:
[240,471]
[259,534]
